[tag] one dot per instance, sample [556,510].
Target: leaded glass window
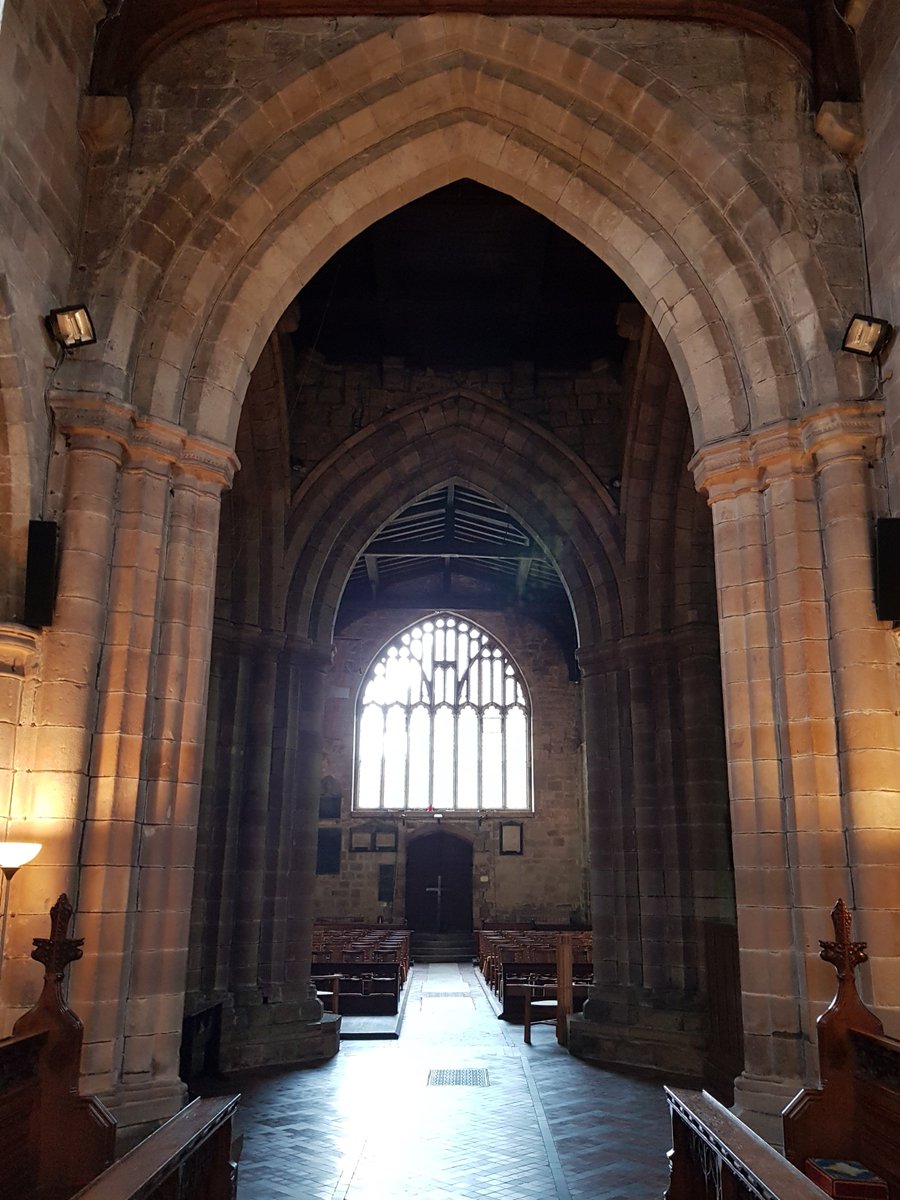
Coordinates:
[443,723]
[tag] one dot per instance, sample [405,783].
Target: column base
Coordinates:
[759,1103]
[277,1034]
[631,1028]
[140,1108]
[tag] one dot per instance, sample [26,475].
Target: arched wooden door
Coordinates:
[439,883]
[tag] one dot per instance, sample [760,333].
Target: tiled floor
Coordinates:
[368,1125]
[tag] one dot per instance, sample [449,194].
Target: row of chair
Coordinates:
[499,947]
[361,944]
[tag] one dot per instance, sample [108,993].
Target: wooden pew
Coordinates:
[363,988]
[516,977]
[52,1140]
[189,1156]
[714,1156]
[855,1114]
[361,943]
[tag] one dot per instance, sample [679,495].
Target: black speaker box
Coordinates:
[887,568]
[40,573]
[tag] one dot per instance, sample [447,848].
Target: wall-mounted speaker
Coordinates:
[40,573]
[887,568]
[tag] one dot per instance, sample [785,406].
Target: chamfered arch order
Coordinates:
[617,158]
[456,436]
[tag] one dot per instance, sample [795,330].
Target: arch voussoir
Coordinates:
[453,436]
[305,161]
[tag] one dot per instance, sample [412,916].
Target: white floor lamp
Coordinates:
[12,856]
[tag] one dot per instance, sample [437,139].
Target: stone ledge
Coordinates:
[675,1056]
[275,1036]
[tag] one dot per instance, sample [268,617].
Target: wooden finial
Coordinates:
[844,954]
[57,951]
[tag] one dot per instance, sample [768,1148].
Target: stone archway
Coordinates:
[457,435]
[698,232]
[717,256]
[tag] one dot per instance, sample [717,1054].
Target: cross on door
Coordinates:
[438,891]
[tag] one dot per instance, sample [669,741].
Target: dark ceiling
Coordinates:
[457,549]
[465,277]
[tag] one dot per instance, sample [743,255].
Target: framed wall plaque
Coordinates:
[360,841]
[510,837]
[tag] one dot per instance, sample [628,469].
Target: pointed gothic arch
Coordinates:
[464,436]
[620,160]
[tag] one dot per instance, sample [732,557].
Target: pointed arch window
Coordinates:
[443,723]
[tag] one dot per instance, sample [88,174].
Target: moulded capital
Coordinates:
[724,470]
[598,660]
[310,655]
[779,452]
[156,444]
[854,430]
[93,422]
[207,465]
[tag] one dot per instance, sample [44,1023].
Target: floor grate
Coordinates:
[468,1077]
[446,995]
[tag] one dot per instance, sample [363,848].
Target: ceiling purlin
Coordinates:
[137,31]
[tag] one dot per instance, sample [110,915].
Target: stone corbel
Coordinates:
[840,125]
[103,122]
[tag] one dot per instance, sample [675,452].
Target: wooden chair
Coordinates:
[540,1008]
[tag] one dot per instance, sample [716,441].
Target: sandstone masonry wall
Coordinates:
[879,180]
[582,408]
[45,51]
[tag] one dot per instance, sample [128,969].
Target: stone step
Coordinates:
[441,947]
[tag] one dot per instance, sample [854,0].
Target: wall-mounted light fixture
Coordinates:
[12,856]
[71,327]
[866,336]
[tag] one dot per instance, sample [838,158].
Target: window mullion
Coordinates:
[383,756]
[408,757]
[503,790]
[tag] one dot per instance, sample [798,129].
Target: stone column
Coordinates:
[219,828]
[115,810]
[149,1087]
[53,750]
[54,739]
[310,667]
[258,657]
[649,871]
[844,442]
[608,1013]
[285,1023]
[790,518]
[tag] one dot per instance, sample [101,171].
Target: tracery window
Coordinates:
[443,723]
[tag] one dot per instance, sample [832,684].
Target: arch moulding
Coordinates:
[455,436]
[597,144]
